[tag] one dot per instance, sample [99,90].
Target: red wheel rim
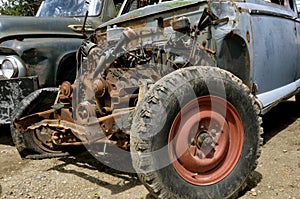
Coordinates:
[205,140]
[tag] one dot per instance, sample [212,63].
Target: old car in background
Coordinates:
[40,51]
[181,86]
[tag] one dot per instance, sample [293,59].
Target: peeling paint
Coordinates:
[12,92]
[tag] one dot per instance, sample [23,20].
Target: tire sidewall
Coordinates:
[39,100]
[238,96]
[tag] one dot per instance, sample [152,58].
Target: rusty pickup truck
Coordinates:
[176,88]
[40,51]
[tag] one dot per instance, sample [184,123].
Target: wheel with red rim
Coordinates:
[196,134]
[204,145]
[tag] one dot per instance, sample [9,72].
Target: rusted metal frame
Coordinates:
[23,123]
[78,130]
[102,141]
[57,123]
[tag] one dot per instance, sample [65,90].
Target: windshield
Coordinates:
[62,8]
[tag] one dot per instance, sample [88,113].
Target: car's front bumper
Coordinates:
[12,92]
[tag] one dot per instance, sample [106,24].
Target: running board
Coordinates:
[271,98]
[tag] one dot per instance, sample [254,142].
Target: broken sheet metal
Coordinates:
[12,92]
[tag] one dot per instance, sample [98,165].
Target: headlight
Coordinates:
[11,66]
[8,69]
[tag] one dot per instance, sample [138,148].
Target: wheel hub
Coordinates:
[204,142]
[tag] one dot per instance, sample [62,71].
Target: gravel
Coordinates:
[82,176]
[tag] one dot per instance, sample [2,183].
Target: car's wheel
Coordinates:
[34,143]
[196,134]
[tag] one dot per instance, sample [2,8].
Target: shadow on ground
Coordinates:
[276,120]
[87,161]
[279,118]
[5,137]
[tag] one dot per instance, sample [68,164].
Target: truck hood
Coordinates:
[156,9]
[12,27]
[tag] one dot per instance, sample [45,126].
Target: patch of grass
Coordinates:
[141,196]
[96,196]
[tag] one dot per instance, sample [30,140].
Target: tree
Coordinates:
[19,7]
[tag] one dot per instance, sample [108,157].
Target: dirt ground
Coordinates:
[81,176]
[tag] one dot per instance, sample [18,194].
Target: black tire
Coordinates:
[39,100]
[156,115]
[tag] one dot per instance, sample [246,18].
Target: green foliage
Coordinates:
[141,196]
[96,196]
[19,7]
